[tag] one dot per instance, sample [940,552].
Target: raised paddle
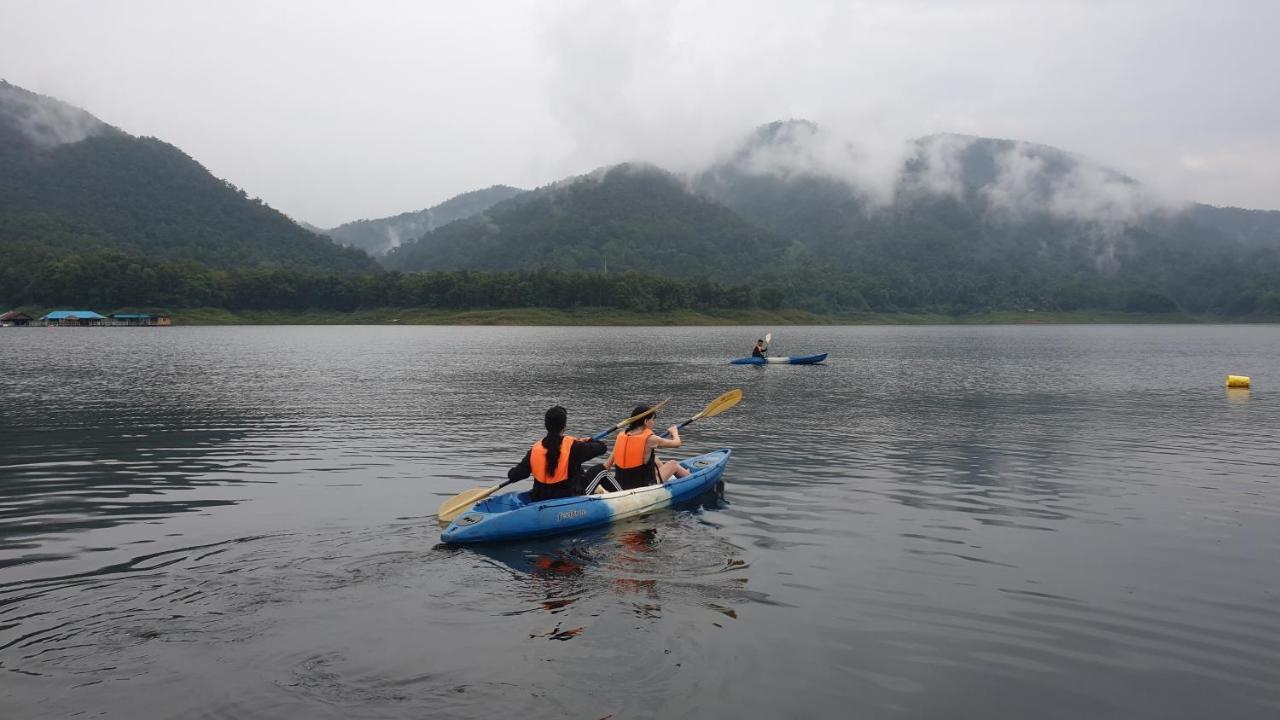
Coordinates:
[715,407]
[453,507]
[768,338]
[605,433]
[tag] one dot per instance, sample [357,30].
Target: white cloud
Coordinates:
[940,171]
[1084,191]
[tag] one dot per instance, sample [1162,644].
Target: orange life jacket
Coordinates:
[538,462]
[628,450]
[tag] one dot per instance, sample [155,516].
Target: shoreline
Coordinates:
[621,318]
[611,317]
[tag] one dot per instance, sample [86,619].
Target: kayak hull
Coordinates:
[513,516]
[784,360]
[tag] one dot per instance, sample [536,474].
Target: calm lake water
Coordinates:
[941,522]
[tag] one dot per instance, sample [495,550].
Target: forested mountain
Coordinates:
[1250,228]
[71,183]
[792,218]
[970,223]
[627,217]
[378,237]
[961,224]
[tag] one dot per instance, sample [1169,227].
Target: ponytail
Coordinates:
[555,421]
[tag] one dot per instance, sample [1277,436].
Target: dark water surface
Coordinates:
[941,522]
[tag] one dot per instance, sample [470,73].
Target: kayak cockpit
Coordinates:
[503,503]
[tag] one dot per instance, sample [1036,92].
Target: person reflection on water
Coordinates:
[759,349]
[555,461]
[635,456]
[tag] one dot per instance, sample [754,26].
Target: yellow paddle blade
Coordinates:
[720,404]
[453,507]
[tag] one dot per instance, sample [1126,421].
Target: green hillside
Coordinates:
[72,184]
[624,218]
[378,237]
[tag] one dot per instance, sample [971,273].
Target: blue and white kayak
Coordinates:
[784,360]
[513,516]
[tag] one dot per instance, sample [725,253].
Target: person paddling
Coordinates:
[759,349]
[635,458]
[555,461]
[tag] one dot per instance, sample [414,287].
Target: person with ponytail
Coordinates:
[635,453]
[555,461]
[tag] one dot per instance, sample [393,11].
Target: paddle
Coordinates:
[605,433]
[453,507]
[768,338]
[715,407]
[462,502]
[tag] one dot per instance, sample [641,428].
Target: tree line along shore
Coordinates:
[195,294]
[594,316]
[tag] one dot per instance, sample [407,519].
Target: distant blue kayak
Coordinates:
[784,360]
[514,516]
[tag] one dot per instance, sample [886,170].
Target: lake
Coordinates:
[939,522]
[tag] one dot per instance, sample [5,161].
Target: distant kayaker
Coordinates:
[635,458]
[759,349]
[555,461]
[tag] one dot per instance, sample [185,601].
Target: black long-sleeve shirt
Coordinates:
[580,452]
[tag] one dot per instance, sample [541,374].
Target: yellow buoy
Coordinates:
[1237,381]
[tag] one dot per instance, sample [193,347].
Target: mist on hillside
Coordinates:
[1023,179]
[44,121]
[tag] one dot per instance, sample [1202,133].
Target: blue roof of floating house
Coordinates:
[73,315]
[131,316]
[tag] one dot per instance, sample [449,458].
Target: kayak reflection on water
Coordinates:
[621,562]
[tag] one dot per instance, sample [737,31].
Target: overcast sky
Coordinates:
[333,111]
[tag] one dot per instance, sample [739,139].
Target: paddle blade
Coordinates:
[453,507]
[717,406]
[768,338]
[720,404]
